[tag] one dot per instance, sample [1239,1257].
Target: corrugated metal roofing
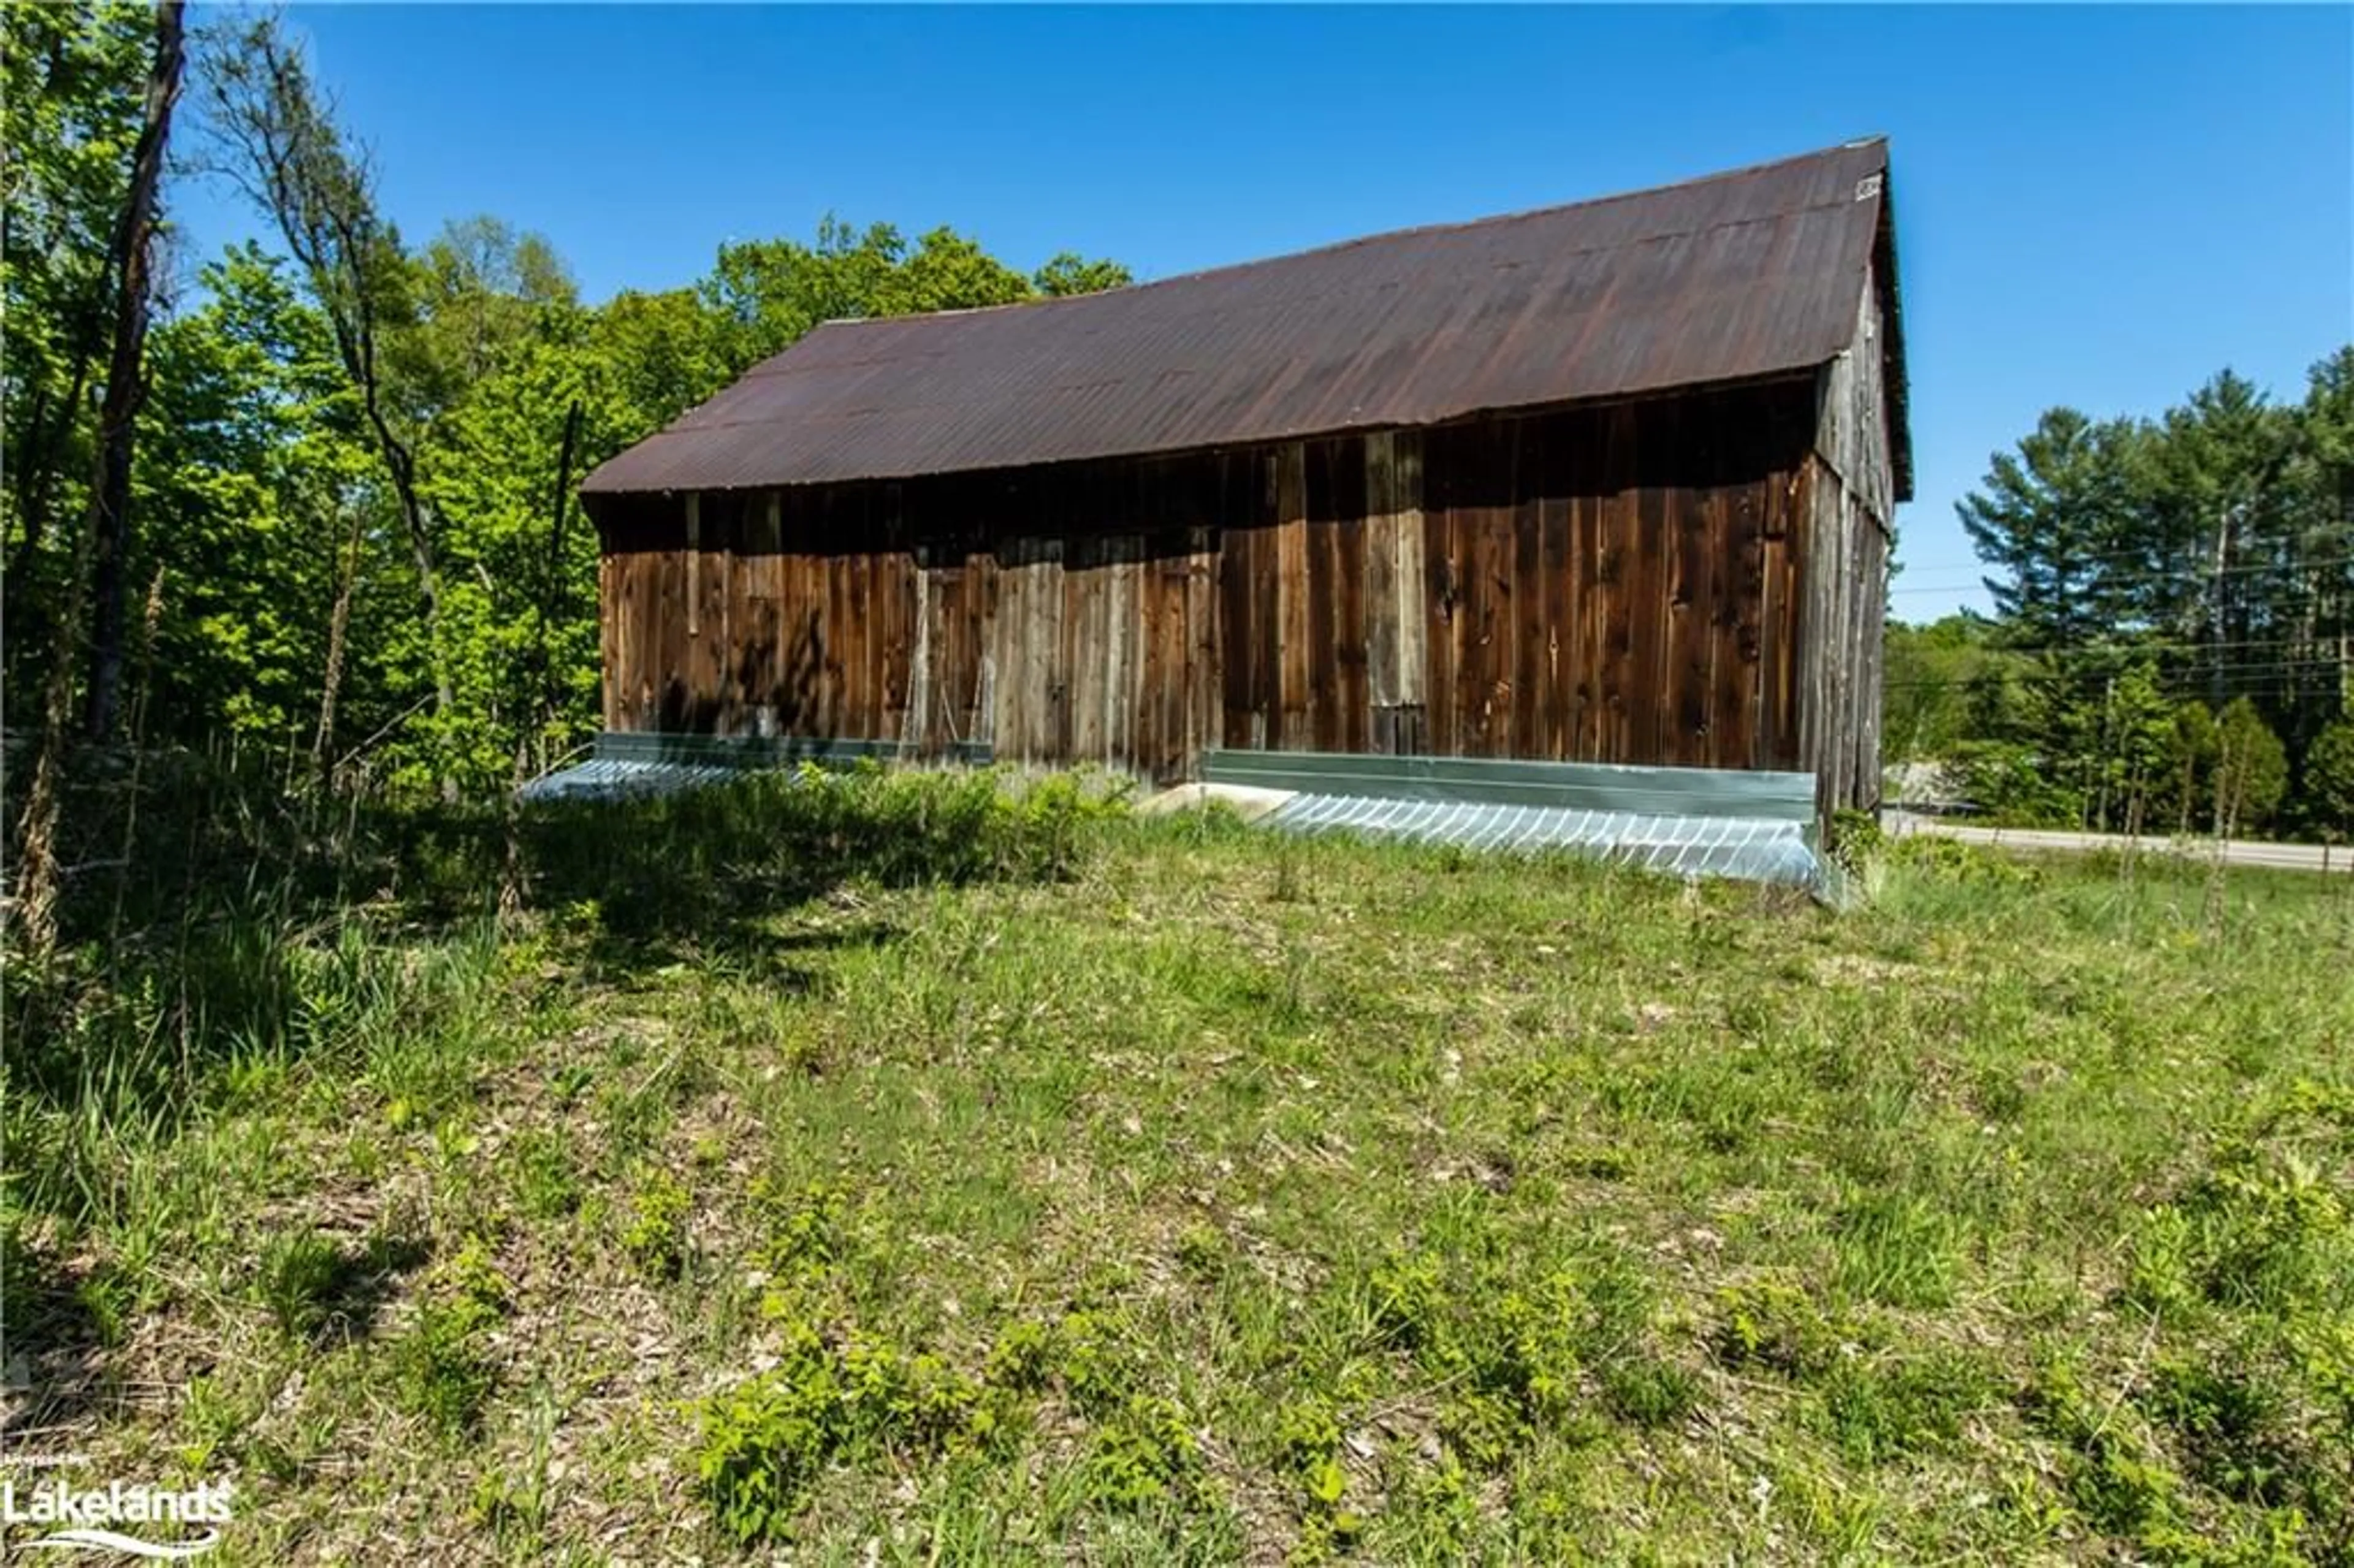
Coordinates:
[1743,849]
[614,778]
[1733,277]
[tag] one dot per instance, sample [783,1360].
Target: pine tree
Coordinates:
[2048,519]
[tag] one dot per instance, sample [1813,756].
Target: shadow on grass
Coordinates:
[211,918]
[347,1300]
[59,1322]
[707,873]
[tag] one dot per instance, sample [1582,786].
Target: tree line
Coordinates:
[2172,642]
[307,497]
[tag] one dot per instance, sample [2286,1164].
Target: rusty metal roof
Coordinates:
[1731,277]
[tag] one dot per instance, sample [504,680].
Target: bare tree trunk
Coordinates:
[331,685]
[513,876]
[126,385]
[553,581]
[37,871]
[320,194]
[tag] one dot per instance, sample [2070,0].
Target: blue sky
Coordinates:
[2098,206]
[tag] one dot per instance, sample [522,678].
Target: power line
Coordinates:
[2192,578]
[2130,644]
[2201,550]
[2275,679]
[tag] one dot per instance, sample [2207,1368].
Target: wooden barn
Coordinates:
[1609,483]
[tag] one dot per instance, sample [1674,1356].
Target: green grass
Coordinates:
[895,1173]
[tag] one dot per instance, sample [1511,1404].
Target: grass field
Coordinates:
[883,1172]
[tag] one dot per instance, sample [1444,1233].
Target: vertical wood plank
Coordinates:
[1616,570]
[625,675]
[1267,607]
[1475,630]
[976,693]
[652,621]
[1320,661]
[1558,596]
[1648,724]
[915,731]
[1008,655]
[1410,588]
[893,581]
[1380,556]
[1238,632]
[1293,664]
[609,641]
[1437,612]
[1051,743]
[1789,638]
[1874,617]
[1131,627]
[1354,700]
[1532,700]
[731,711]
[1499,559]
[1591,602]
[1443,599]
[838,629]
[693,550]
[706,655]
[1693,601]
[1733,647]
[867,621]
[666,628]
[1482,625]
[1082,645]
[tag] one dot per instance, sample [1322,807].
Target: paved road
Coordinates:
[2236,852]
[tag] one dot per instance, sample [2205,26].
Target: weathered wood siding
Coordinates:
[1633,584]
[1850,503]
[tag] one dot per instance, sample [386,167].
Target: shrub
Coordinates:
[1406,1295]
[761,1442]
[1309,1434]
[1775,1326]
[1147,1454]
[655,1234]
[1855,837]
[1021,1359]
[2262,1229]
[2111,1475]
[2329,779]
[2236,1425]
[441,1367]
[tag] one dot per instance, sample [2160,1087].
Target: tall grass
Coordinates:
[245,942]
[964,1168]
